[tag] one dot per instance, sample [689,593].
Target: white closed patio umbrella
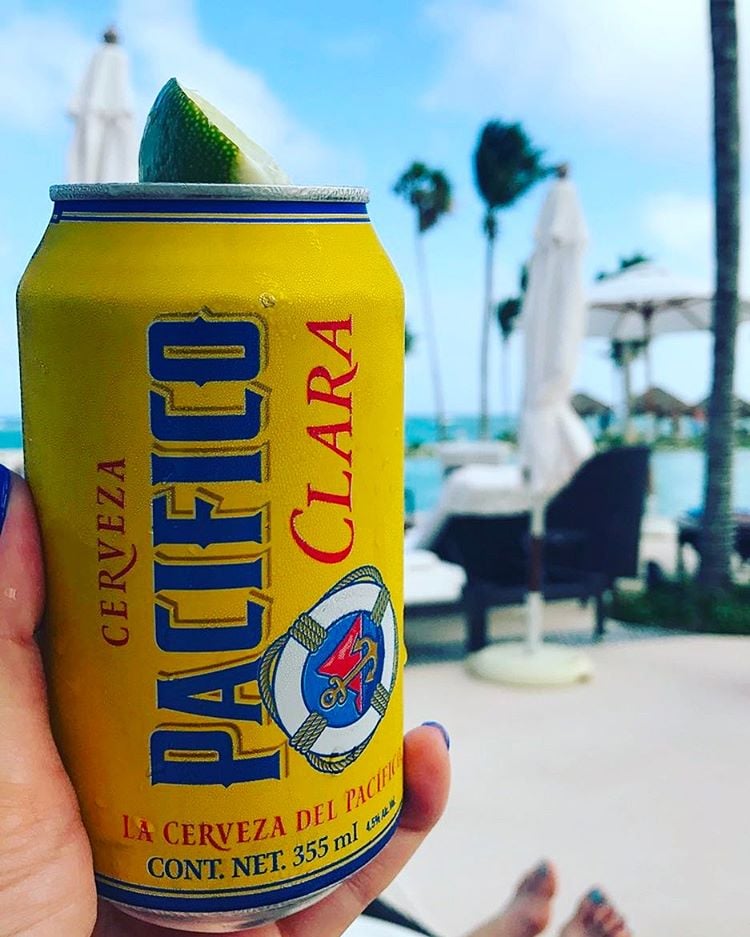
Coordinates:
[104,147]
[554,440]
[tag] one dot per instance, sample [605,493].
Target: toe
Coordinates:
[606,920]
[618,927]
[588,907]
[538,880]
[602,919]
[526,883]
[544,880]
[578,922]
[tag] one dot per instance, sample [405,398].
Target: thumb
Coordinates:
[23,711]
[41,837]
[21,582]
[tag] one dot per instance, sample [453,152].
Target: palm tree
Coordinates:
[507,312]
[717,533]
[624,353]
[632,260]
[428,191]
[506,166]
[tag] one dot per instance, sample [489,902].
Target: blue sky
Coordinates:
[352,93]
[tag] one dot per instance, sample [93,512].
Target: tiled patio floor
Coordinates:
[637,781]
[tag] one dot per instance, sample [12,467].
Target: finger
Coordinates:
[426,783]
[40,832]
[28,750]
[21,583]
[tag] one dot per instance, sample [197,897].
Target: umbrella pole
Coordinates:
[535,599]
[531,663]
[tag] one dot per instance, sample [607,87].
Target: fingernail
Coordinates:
[4,493]
[595,896]
[541,870]
[444,731]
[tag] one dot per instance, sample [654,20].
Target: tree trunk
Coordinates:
[505,377]
[432,344]
[718,530]
[484,360]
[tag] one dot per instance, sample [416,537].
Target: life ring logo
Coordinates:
[328,680]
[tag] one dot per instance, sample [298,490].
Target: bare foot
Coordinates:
[596,917]
[528,911]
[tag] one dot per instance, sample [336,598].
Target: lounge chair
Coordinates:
[592,538]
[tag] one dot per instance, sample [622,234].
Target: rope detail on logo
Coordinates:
[308,632]
[381,605]
[308,733]
[380,699]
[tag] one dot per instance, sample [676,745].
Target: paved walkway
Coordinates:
[637,781]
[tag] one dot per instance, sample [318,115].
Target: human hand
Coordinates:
[46,873]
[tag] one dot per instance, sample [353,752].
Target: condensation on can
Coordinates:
[212,404]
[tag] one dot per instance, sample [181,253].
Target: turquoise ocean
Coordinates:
[10,432]
[677,474]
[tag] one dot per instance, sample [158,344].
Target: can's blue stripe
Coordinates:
[56,219]
[207,902]
[207,207]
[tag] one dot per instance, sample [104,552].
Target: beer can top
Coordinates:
[194,190]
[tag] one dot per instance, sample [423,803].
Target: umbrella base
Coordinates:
[515,665]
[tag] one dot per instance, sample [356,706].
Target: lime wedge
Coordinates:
[186,139]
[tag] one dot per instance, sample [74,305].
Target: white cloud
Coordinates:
[42,57]
[165,41]
[682,230]
[631,70]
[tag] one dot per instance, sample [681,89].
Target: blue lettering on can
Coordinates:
[205,527]
[207,427]
[192,576]
[224,769]
[203,350]
[207,350]
[206,636]
[181,693]
[199,468]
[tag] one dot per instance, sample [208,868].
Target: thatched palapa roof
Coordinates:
[584,405]
[661,403]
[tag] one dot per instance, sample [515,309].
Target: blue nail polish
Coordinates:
[4,493]
[595,896]
[439,725]
[541,870]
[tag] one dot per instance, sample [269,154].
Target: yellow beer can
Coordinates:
[212,411]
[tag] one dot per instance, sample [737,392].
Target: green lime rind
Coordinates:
[180,144]
[187,140]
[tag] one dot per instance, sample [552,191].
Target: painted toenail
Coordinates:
[595,896]
[443,730]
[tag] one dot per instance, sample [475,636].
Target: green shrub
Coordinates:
[685,606]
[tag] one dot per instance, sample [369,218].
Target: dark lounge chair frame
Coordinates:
[592,539]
